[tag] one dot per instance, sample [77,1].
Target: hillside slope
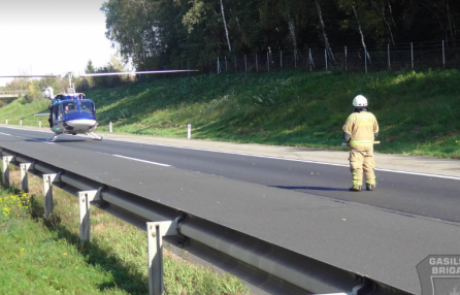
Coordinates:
[418,112]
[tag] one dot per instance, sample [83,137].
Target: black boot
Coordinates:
[370,187]
[355,189]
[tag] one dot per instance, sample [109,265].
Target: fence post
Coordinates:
[412,54]
[443,55]
[257,63]
[110,126]
[48,180]
[24,176]
[6,170]
[310,59]
[84,198]
[346,58]
[268,61]
[218,66]
[245,63]
[155,233]
[281,59]
[389,57]
[226,65]
[325,57]
[189,131]
[365,60]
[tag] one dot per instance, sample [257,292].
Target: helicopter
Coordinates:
[71,112]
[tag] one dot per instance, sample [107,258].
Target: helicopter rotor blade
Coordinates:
[32,76]
[136,73]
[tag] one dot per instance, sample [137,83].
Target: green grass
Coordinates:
[45,256]
[418,112]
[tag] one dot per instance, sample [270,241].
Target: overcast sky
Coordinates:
[51,36]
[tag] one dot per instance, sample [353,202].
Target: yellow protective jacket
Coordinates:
[361,129]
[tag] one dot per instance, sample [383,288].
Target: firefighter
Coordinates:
[360,131]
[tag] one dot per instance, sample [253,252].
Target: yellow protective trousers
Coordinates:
[362,158]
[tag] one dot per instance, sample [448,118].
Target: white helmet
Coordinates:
[360,101]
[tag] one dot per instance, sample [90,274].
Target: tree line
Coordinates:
[155,34]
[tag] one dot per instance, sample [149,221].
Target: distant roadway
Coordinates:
[298,204]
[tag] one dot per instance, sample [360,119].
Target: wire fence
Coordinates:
[435,54]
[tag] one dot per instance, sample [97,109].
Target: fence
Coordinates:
[352,59]
[290,272]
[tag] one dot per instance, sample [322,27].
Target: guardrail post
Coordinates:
[155,233]
[6,170]
[48,180]
[84,198]
[24,176]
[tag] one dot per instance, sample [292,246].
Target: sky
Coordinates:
[51,36]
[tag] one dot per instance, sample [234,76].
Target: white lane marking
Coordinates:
[144,161]
[419,174]
[5,134]
[296,160]
[26,129]
[277,158]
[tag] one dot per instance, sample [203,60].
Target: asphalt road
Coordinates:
[302,206]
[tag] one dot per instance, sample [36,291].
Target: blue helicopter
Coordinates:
[71,112]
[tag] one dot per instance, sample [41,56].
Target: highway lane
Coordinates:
[404,193]
[359,238]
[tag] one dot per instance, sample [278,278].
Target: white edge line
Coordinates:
[144,161]
[261,156]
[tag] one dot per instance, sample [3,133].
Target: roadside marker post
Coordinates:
[40,124]
[110,127]
[189,131]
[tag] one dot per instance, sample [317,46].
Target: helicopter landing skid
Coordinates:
[95,136]
[53,138]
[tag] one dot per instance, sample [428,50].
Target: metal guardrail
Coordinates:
[19,92]
[250,258]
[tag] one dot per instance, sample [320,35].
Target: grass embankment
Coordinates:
[418,112]
[45,257]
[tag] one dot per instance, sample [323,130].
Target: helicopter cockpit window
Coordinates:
[70,107]
[87,106]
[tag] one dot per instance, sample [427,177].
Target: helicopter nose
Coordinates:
[82,124]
